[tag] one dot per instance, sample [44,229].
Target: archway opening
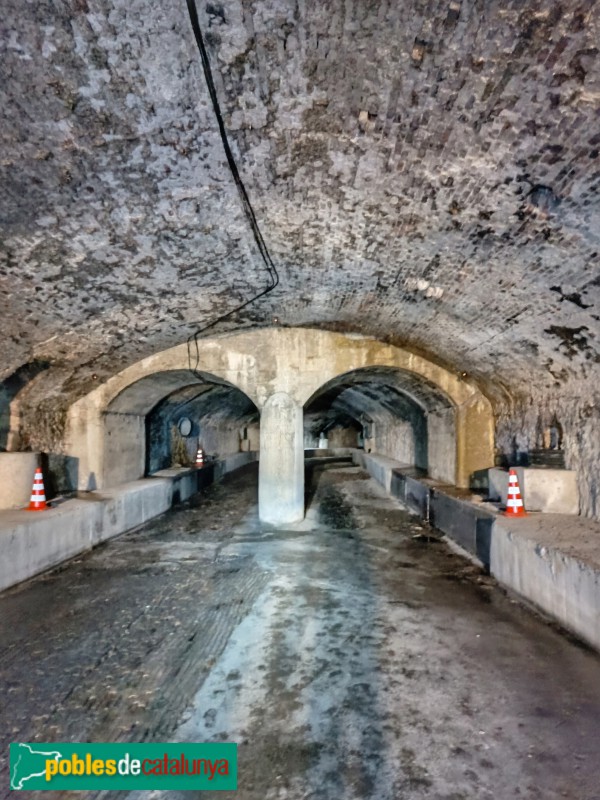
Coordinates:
[220,420]
[161,420]
[389,412]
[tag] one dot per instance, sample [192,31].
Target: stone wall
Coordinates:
[124,449]
[392,437]
[342,437]
[519,427]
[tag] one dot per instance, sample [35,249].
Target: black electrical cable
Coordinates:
[273,276]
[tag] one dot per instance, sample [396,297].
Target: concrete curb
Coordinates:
[31,543]
[468,526]
[550,560]
[562,585]
[379,467]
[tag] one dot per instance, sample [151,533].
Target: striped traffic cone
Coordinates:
[514,502]
[200,457]
[38,495]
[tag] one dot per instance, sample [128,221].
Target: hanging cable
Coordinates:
[273,276]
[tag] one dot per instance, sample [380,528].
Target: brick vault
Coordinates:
[423,173]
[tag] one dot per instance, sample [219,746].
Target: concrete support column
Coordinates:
[84,442]
[281,464]
[474,439]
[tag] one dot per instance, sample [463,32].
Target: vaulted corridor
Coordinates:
[239,236]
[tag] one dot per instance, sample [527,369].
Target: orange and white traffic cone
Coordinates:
[38,494]
[200,457]
[514,501]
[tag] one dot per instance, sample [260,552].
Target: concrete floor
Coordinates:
[348,658]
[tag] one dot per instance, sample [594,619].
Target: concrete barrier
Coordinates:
[405,482]
[553,491]
[380,468]
[233,462]
[551,560]
[464,522]
[330,452]
[412,491]
[417,497]
[468,524]
[32,542]
[398,485]
[16,478]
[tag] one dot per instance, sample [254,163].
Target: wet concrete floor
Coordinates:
[352,657]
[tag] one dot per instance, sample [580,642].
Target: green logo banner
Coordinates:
[85,766]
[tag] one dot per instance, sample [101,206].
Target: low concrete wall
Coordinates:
[468,524]
[550,560]
[379,467]
[32,542]
[233,462]
[330,452]
[554,562]
[464,522]
[414,492]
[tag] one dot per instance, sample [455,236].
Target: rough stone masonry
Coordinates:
[424,172]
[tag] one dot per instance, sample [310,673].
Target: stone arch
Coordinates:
[125,429]
[112,427]
[297,361]
[403,405]
[221,420]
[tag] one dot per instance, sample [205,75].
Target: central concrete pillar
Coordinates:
[281,464]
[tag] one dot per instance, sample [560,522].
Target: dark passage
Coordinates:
[351,658]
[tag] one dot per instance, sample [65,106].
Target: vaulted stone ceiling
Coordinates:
[424,172]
